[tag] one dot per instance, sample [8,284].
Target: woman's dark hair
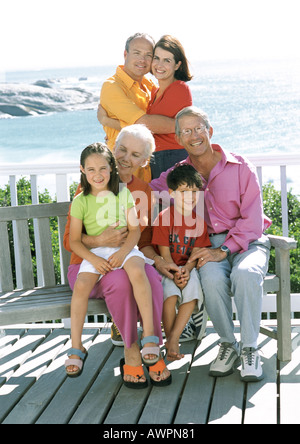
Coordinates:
[183,174]
[169,43]
[103,150]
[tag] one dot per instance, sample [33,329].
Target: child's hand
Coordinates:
[181,278]
[101,265]
[116,259]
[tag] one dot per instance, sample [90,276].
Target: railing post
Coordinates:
[284,202]
[14,203]
[62,195]
[62,189]
[35,201]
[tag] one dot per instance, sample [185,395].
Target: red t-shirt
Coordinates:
[181,234]
[176,97]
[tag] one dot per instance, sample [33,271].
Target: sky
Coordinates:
[38,34]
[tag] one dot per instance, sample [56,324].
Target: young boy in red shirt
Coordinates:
[178,231]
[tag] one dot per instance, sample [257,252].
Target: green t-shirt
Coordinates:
[99,212]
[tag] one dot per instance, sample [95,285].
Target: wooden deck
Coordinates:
[35,390]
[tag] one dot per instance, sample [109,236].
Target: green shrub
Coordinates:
[272,208]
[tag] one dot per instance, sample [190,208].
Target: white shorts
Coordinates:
[190,292]
[106,252]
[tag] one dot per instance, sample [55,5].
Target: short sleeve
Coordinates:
[77,207]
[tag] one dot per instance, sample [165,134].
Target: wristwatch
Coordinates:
[225,249]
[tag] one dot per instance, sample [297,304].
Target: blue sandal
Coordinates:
[78,362]
[150,350]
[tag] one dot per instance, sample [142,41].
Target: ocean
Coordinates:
[50,115]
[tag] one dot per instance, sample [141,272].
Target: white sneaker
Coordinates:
[223,365]
[251,367]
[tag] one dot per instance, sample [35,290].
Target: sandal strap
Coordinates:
[150,351]
[136,372]
[150,339]
[77,352]
[77,362]
[158,367]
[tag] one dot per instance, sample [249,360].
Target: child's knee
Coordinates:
[136,271]
[83,285]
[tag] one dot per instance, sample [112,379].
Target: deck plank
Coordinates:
[128,406]
[97,402]
[36,399]
[20,351]
[228,397]
[9,339]
[261,404]
[35,388]
[227,404]
[194,405]
[162,402]
[71,392]
[13,389]
[290,384]
[30,371]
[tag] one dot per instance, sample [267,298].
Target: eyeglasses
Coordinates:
[189,132]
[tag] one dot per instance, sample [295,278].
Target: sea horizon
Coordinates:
[253,106]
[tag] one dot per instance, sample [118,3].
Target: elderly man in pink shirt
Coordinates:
[237,262]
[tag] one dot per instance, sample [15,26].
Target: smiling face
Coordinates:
[97,172]
[130,155]
[164,65]
[197,143]
[138,59]
[185,198]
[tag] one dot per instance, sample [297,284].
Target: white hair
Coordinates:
[140,132]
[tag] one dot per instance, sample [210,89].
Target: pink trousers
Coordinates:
[115,288]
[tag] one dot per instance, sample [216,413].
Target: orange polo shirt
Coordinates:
[124,99]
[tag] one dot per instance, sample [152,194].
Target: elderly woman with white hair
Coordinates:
[133,148]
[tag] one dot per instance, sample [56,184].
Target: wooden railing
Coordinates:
[58,178]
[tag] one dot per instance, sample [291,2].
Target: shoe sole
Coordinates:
[220,374]
[216,373]
[117,343]
[252,378]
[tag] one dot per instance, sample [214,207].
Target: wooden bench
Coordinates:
[50,300]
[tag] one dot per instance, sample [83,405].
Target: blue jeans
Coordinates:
[163,160]
[240,276]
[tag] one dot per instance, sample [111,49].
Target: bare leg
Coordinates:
[135,268]
[84,284]
[172,344]
[169,314]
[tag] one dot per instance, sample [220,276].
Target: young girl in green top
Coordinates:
[103,202]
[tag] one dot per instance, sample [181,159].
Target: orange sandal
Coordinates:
[159,368]
[136,372]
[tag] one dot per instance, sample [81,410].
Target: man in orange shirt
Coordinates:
[125,96]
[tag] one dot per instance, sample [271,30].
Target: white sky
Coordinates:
[36,34]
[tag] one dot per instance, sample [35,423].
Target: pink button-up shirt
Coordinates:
[232,199]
